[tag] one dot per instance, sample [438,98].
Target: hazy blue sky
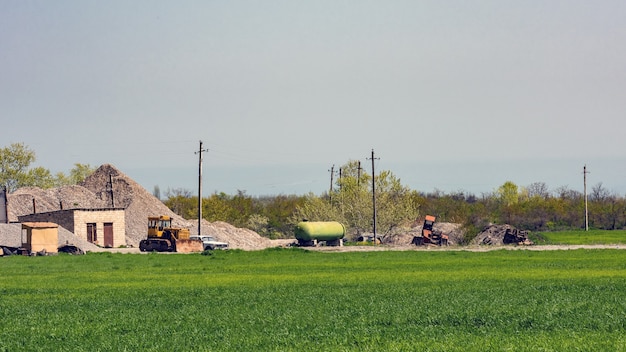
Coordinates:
[453,95]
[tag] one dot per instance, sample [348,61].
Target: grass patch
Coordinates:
[297,300]
[580,237]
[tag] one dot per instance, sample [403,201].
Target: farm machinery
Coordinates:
[162,237]
[429,235]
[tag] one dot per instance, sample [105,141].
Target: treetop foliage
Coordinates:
[16,170]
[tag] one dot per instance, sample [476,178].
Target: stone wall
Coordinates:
[100,217]
[76,220]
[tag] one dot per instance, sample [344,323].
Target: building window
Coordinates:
[92,236]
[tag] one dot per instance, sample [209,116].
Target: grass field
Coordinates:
[580,237]
[295,300]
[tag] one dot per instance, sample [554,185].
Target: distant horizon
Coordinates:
[449,177]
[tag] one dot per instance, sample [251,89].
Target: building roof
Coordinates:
[39,225]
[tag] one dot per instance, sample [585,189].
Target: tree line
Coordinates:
[533,207]
[351,201]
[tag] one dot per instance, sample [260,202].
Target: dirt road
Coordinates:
[463,248]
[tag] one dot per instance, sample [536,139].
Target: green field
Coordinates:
[295,300]
[581,237]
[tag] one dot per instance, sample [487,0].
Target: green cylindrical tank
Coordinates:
[320,230]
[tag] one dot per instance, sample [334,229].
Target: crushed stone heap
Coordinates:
[108,187]
[500,235]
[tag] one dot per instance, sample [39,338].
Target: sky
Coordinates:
[450,95]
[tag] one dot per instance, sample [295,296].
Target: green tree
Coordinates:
[16,171]
[39,177]
[76,175]
[80,172]
[316,208]
[396,208]
[353,198]
[61,179]
[180,201]
[259,224]
[277,210]
[15,161]
[351,203]
[508,193]
[235,210]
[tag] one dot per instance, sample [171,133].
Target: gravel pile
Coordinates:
[498,235]
[109,187]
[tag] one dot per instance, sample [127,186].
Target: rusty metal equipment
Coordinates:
[429,235]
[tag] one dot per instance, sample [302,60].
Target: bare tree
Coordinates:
[599,193]
[566,193]
[178,192]
[538,189]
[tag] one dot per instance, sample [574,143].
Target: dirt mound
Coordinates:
[501,234]
[108,187]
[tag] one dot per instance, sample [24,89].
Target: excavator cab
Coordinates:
[158,224]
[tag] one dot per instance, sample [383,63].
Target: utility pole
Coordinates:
[330,192]
[585,190]
[332,173]
[358,174]
[109,188]
[373,195]
[199,152]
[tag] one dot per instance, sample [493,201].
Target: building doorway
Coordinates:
[108,234]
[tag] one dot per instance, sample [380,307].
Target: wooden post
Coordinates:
[585,190]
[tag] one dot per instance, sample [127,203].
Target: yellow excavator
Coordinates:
[162,237]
